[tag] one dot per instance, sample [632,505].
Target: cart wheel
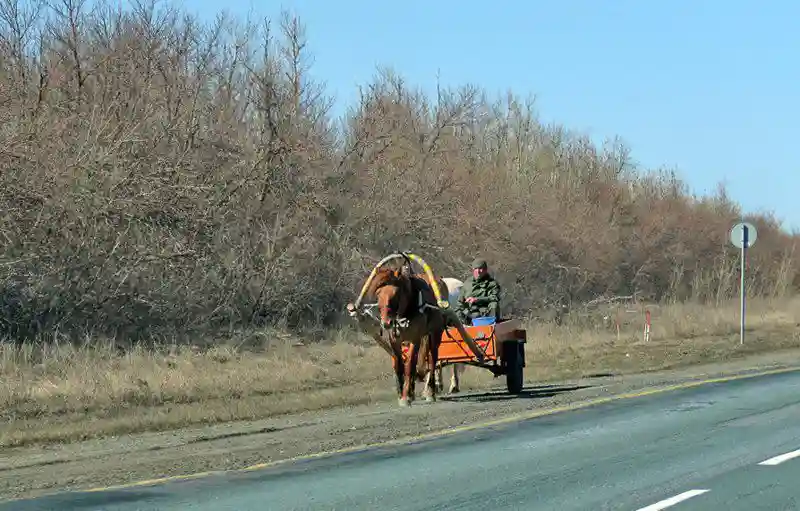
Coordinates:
[513,362]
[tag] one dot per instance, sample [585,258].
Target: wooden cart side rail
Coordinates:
[455,347]
[464,334]
[491,338]
[456,351]
[506,329]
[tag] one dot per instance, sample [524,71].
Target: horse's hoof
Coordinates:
[404,403]
[455,390]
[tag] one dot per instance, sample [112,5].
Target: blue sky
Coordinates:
[704,87]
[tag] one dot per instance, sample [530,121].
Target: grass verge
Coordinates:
[57,393]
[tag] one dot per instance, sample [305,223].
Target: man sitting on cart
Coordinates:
[480,295]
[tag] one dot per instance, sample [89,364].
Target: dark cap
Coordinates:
[479,263]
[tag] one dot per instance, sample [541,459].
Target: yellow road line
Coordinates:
[459,429]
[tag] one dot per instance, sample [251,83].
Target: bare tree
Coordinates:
[161,177]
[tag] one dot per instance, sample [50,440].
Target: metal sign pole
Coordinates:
[741,283]
[743,235]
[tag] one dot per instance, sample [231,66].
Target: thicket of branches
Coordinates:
[161,176]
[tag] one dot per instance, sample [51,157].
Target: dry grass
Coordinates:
[62,393]
[681,334]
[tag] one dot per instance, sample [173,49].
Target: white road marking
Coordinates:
[781,458]
[673,500]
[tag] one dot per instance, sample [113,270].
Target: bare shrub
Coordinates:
[166,178]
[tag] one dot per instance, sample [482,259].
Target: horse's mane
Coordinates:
[389,277]
[408,283]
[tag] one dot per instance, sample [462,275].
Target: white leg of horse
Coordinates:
[453,291]
[438,382]
[454,383]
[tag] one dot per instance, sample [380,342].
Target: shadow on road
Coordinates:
[83,500]
[538,392]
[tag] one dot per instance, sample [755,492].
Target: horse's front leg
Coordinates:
[409,372]
[397,366]
[433,357]
[412,380]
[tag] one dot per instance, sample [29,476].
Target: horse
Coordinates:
[453,287]
[409,314]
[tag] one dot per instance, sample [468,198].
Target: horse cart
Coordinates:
[498,347]
[503,346]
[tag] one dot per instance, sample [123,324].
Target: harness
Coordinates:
[404,317]
[412,311]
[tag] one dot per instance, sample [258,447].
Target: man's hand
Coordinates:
[470,300]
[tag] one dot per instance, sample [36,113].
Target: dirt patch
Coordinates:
[34,470]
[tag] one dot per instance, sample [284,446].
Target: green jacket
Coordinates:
[486,290]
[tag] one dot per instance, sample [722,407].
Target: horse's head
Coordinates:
[392,288]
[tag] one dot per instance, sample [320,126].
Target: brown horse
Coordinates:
[409,315]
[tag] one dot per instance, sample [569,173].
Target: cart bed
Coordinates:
[488,337]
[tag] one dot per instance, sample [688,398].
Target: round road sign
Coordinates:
[738,232]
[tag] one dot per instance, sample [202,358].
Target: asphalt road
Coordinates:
[697,448]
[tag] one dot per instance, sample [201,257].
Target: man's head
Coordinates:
[479,268]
